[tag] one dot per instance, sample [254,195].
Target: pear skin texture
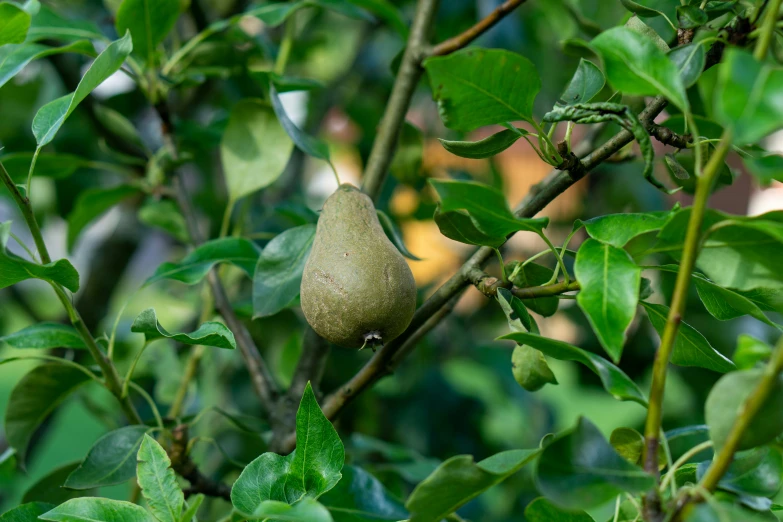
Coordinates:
[356,288]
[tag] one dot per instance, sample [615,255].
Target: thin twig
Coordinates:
[397,107]
[462,40]
[111,378]
[186,468]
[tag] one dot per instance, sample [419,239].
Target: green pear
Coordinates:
[357,290]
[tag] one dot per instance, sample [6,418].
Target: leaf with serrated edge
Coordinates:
[158,483]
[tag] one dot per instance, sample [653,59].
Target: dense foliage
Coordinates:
[164,163]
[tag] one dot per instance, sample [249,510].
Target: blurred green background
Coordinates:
[455,394]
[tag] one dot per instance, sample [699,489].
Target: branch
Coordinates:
[186,468]
[260,376]
[690,251]
[408,76]
[669,137]
[462,40]
[489,285]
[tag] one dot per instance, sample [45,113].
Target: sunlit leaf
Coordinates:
[254,149]
[609,292]
[50,117]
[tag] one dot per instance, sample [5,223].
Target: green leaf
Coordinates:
[26,512]
[149,22]
[158,483]
[723,512]
[406,163]
[689,60]
[635,65]
[111,460]
[208,334]
[279,270]
[628,443]
[394,235]
[50,488]
[724,304]
[34,397]
[741,254]
[14,57]
[43,336]
[609,292]
[766,169]
[14,23]
[486,206]
[486,148]
[165,215]
[192,508]
[254,149]
[306,510]
[90,509]
[618,229]
[691,17]
[756,472]
[119,125]
[690,347]
[360,497]
[746,97]
[310,145]
[50,117]
[528,365]
[587,82]
[726,401]
[460,227]
[533,274]
[652,8]
[92,203]
[459,480]
[194,266]
[47,25]
[477,87]
[750,351]
[309,472]
[386,11]
[617,383]
[14,269]
[519,319]
[542,510]
[580,470]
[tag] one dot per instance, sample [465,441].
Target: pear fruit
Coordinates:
[357,290]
